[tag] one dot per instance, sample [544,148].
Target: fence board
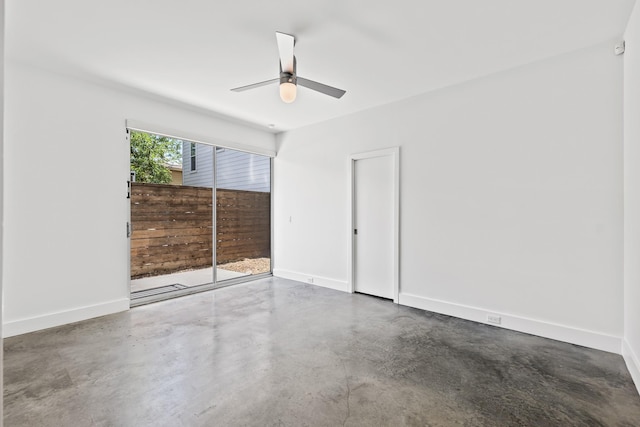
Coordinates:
[151,234]
[173,227]
[172,250]
[171,240]
[151,268]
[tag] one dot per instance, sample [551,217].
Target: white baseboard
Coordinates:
[632,361]
[554,331]
[325,282]
[31,324]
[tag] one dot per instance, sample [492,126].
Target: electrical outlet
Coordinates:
[494,318]
[310,280]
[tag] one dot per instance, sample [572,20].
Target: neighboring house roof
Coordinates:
[173,166]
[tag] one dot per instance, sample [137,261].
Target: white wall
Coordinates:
[631,346]
[511,197]
[66,166]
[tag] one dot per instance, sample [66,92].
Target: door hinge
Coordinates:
[355,231]
[128,189]
[129,229]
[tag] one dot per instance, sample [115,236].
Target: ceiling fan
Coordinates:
[289,78]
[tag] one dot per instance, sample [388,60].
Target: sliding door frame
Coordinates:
[158,130]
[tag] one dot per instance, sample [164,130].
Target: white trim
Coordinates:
[192,137]
[325,282]
[632,361]
[129,222]
[540,328]
[272,213]
[395,153]
[214,214]
[31,324]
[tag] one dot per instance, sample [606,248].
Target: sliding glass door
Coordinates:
[182,228]
[171,215]
[243,214]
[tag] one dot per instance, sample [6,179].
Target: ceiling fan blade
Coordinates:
[322,88]
[285,48]
[255,85]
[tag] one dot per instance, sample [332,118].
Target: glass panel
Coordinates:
[171,216]
[243,214]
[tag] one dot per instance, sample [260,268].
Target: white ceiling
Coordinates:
[194,51]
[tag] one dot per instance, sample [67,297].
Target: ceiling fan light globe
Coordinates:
[288,92]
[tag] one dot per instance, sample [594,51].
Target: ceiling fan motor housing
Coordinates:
[289,77]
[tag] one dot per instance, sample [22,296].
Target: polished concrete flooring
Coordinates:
[280,353]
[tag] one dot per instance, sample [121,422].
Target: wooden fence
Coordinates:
[172,227]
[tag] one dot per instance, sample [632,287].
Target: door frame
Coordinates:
[394,152]
[131,125]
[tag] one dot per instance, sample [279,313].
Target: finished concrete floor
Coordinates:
[280,353]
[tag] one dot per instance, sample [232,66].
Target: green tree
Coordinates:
[150,155]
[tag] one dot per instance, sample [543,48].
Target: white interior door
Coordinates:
[374,225]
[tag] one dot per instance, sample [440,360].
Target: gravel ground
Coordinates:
[248,266]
